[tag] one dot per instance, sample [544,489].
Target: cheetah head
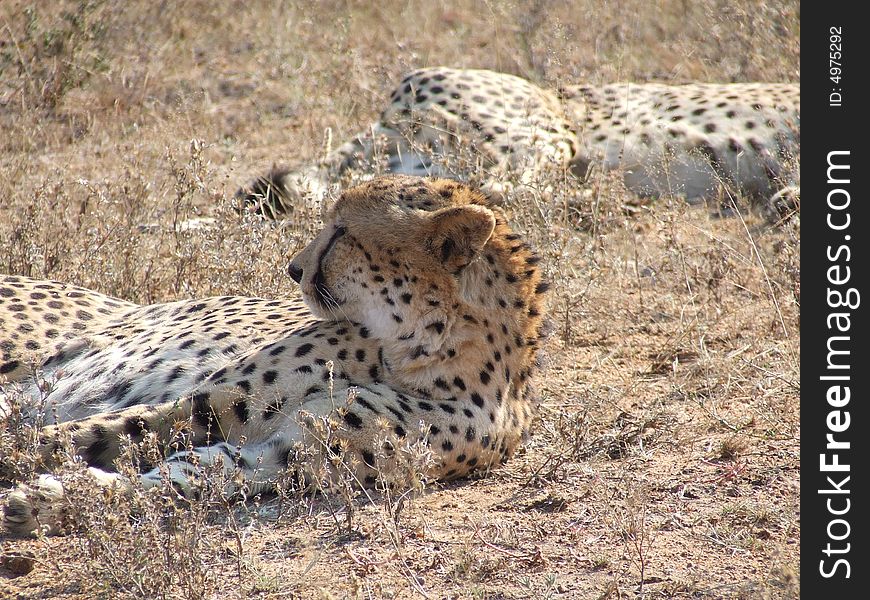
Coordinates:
[392,254]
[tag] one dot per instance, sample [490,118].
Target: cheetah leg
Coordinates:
[283,191]
[98,438]
[248,469]
[209,418]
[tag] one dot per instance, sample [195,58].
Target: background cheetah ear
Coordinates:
[459,233]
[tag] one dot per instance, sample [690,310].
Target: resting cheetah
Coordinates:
[688,140]
[419,297]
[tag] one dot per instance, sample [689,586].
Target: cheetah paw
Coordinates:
[35,506]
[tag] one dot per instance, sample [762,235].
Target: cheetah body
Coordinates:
[689,140]
[692,139]
[420,320]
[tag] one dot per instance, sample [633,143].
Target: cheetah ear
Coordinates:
[457,234]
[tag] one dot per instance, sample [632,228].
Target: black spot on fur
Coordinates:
[202,412]
[8,367]
[366,404]
[274,408]
[119,390]
[304,349]
[241,409]
[353,420]
[134,426]
[447,249]
[98,447]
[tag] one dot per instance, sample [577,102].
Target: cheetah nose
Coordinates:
[295,272]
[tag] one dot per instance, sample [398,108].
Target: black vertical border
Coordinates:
[827,128]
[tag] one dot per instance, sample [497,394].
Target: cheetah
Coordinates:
[687,140]
[420,314]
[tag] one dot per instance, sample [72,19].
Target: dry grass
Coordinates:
[665,462]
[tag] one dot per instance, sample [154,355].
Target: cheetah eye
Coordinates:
[338,233]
